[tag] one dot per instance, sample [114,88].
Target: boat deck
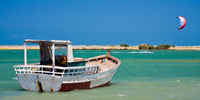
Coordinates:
[105,62]
[104,66]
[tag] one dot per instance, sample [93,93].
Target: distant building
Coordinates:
[144,45]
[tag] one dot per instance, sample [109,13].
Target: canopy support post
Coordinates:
[25,54]
[69,52]
[53,58]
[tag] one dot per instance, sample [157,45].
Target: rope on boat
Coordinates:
[127,70]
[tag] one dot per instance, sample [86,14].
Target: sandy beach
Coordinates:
[95,47]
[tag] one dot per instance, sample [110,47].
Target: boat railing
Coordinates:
[56,70]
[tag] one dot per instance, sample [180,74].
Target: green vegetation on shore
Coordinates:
[163,47]
[159,47]
[124,45]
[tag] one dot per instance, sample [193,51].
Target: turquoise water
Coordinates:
[162,75]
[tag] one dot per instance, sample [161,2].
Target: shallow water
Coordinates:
[142,75]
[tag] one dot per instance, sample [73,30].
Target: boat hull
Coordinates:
[86,85]
[49,83]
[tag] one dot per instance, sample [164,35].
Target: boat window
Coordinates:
[61,51]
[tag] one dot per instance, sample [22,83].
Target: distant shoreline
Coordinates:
[95,47]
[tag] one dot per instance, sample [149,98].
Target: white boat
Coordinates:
[63,72]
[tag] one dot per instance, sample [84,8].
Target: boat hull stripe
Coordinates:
[83,85]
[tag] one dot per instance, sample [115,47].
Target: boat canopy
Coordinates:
[56,42]
[47,49]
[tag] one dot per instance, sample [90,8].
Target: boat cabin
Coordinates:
[48,56]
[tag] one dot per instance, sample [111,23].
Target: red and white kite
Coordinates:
[182,22]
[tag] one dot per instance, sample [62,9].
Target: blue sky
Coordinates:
[100,22]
